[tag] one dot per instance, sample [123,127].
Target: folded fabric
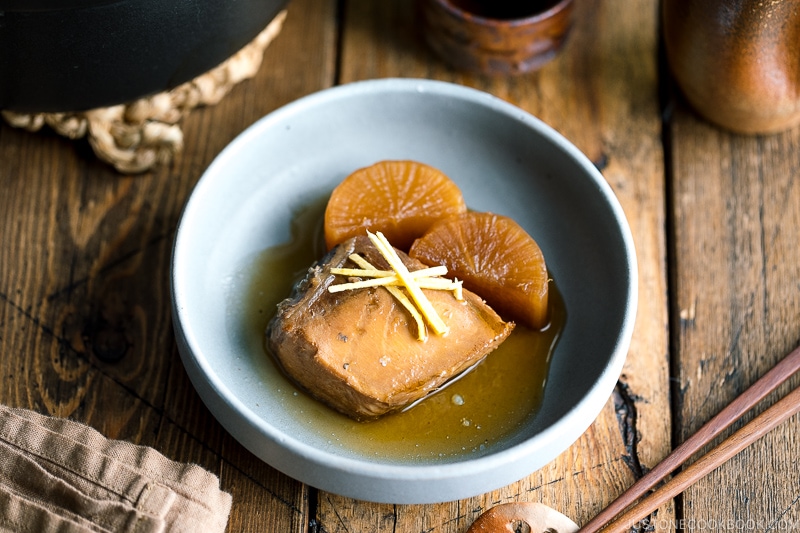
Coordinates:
[59,475]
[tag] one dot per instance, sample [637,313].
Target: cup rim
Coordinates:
[558,7]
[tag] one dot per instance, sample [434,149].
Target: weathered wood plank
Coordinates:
[601,93]
[737,266]
[85,329]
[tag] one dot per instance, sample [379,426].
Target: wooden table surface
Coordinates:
[85,329]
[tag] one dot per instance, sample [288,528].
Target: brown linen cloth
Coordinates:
[57,475]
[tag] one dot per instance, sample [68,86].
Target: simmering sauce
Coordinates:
[466,417]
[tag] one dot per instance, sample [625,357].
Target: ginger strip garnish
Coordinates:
[424,278]
[419,298]
[393,280]
[374,273]
[422,331]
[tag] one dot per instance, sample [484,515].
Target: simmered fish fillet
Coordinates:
[358,351]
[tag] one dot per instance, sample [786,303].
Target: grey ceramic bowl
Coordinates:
[505,161]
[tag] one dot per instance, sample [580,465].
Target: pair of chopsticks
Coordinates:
[611,521]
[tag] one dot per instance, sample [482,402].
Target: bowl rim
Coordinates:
[224,401]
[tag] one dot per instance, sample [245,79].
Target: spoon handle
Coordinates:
[738,407]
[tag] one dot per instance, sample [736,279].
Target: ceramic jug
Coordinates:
[737,61]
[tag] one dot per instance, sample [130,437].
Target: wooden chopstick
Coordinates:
[727,449]
[744,437]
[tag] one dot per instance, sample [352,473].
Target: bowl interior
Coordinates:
[504,161]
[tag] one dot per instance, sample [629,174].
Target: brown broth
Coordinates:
[468,416]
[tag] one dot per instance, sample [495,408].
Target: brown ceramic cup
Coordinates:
[498,37]
[737,63]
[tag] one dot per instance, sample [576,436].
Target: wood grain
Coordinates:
[85,329]
[761,425]
[736,269]
[645,500]
[602,94]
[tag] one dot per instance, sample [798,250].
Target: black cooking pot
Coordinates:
[71,55]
